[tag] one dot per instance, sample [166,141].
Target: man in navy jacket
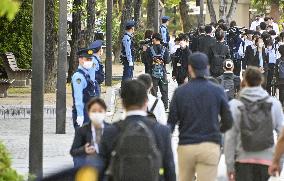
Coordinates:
[196,107]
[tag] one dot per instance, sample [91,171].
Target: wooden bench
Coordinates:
[21,76]
[4,86]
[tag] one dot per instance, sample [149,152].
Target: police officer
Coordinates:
[127,52]
[180,61]
[158,57]
[164,31]
[83,87]
[97,73]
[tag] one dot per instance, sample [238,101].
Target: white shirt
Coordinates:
[173,49]
[275,28]
[254,24]
[159,110]
[94,137]
[136,113]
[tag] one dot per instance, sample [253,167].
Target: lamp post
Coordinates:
[108,62]
[38,61]
[61,69]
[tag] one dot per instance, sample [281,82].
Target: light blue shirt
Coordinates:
[260,59]
[126,41]
[79,83]
[96,67]
[271,55]
[163,30]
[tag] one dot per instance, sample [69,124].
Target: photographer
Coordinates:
[146,43]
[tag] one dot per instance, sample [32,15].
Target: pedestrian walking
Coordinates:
[249,145]
[196,107]
[86,144]
[137,148]
[158,57]
[279,74]
[155,104]
[83,88]
[180,61]
[127,52]
[147,42]
[207,41]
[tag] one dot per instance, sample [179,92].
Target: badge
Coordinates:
[178,64]
[78,81]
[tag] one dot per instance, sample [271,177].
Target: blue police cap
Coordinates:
[165,18]
[130,24]
[96,44]
[86,52]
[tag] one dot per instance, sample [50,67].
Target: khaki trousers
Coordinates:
[202,159]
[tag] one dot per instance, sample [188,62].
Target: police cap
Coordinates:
[86,52]
[166,18]
[96,45]
[130,24]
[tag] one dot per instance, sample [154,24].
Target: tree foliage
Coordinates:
[9,8]
[16,35]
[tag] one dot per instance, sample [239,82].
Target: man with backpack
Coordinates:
[158,57]
[218,53]
[249,145]
[196,108]
[156,107]
[137,148]
[229,81]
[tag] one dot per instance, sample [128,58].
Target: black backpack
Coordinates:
[256,125]
[281,69]
[150,112]
[228,84]
[136,156]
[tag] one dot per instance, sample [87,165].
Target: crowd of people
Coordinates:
[226,102]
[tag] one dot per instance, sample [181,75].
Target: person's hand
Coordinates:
[274,169]
[80,120]
[144,48]
[261,70]
[89,149]
[174,78]
[131,64]
[231,176]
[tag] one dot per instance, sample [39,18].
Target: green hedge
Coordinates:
[6,172]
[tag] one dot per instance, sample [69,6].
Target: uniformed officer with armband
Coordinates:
[83,87]
[164,30]
[97,73]
[127,52]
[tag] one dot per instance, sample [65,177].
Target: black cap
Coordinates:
[199,62]
[86,52]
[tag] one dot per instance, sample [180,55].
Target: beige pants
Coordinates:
[201,159]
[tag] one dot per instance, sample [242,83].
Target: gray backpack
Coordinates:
[256,125]
[158,70]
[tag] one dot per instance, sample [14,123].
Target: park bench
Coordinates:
[21,77]
[4,86]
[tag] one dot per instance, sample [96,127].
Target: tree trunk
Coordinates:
[184,10]
[232,10]
[90,31]
[137,12]
[275,10]
[211,11]
[223,9]
[75,37]
[201,16]
[150,14]
[50,47]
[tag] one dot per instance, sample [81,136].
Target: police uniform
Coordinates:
[165,32]
[127,53]
[97,73]
[83,89]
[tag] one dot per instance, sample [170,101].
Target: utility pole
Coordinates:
[108,62]
[156,17]
[61,69]
[37,95]
[201,16]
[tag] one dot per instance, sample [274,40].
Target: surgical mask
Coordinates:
[269,48]
[88,64]
[182,44]
[97,118]
[260,45]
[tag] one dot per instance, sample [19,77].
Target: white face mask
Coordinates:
[97,118]
[88,64]
[182,44]
[260,45]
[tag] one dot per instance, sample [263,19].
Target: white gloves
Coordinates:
[131,64]
[80,120]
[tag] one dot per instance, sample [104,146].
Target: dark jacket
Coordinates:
[231,75]
[276,71]
[83,135]
[195,107]
[205,42]
[180,64]
[163,139]
[252,58]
